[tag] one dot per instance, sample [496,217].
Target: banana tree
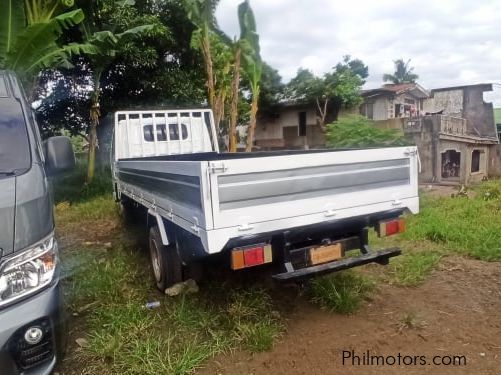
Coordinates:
[29,34]
[202,14]
[101,45]
[105,46]
[252,65]
[245,20]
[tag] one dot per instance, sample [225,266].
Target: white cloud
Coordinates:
[450,42]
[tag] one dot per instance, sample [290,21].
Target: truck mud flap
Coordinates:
[380,257]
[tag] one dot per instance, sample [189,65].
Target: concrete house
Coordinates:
[453,127]
[293,126]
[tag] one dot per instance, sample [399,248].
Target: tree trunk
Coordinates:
[234,103]
[322,114]
[94,115]
[252,124]
[209,70]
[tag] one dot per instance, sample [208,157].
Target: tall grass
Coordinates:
[466,226]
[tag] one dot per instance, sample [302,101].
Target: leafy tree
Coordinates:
[403,73]
[355,66]
[29,35]
[272,88]
[335,90]
[358,131]
[172,77]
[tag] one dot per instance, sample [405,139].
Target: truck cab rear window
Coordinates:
[162,133]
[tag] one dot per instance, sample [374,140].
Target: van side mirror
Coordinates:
[59,155]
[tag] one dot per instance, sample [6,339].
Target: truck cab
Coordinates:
[30,300]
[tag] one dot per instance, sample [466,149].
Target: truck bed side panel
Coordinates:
[175,187]
[246,192]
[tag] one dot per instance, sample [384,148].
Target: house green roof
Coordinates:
[497,115]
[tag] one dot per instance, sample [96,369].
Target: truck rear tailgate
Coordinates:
[249,191]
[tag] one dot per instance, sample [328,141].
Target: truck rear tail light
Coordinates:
[390,227]
[250,256]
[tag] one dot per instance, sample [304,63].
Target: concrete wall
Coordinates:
[286,127]
[495,161]
[451,102]
[468,103]
[272,128]
[480,115]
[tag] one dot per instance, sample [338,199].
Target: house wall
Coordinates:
[479,115]
[495,161]
[468,103]
[450,101]
[380,108]
[271,128]
[285,127]
[384,106]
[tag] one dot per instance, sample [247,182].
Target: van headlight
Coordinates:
[29,271]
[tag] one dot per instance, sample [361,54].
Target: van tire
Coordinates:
[165,261]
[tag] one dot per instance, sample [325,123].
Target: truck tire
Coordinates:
[165,261]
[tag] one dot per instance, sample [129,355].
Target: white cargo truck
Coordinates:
[299,210]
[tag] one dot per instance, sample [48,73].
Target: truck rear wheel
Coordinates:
[167,266]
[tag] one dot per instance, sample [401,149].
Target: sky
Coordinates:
[450,43]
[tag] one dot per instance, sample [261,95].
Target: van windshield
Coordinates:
[14,144]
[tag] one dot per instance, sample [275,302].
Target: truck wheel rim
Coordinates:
[155,260]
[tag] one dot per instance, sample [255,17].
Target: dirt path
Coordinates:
[456,312]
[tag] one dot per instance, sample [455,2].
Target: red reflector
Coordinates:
[253,256]
[392,227]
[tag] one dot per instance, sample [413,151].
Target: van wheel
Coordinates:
[166,263]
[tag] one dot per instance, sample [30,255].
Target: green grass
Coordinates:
[343,292]
[414,267]
[176,338]
[460,225]
[71,186]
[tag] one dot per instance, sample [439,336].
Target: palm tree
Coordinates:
[403,73]
[29,33]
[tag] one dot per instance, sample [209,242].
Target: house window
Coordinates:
[367,110]
[302,124]
[475,161]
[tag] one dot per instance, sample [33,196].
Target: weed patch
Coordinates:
[343,292]
[414,267]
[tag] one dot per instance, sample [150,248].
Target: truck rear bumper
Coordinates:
[381,257]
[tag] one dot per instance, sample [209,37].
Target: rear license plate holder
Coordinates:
[327,253]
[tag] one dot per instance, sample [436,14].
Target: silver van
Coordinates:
[30,299]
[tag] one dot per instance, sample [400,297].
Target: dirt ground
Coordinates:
[456,312]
